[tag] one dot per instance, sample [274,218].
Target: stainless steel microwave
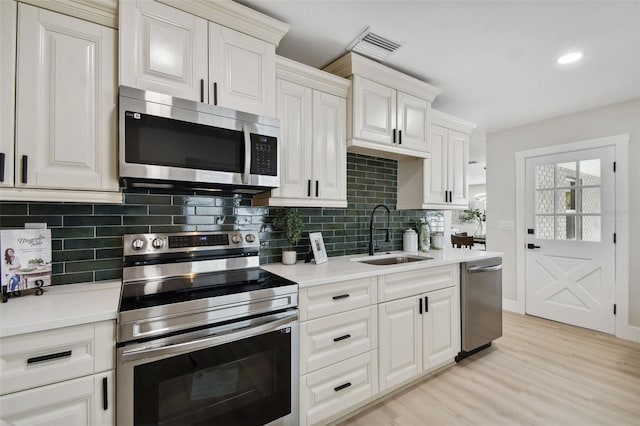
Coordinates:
[168,142]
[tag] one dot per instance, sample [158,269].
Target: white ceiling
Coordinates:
[493,60]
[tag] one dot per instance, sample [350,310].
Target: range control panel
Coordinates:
[140,244]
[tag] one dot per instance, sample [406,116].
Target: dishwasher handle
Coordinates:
[484,268]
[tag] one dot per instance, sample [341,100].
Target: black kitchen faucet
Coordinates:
[386,240]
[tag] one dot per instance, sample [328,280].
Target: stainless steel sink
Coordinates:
[392,260]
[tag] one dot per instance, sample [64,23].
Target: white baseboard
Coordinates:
[629,332]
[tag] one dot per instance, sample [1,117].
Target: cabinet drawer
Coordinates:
[411,283]
[330,391]
[42,358]
[323,300]
[331,339]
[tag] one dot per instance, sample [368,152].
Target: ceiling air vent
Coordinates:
[374,46]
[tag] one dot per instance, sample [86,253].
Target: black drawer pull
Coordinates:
[317,192]
[202,90]
[105,394]
[49,357]
[215,93]
[426,304]
[399,137]
[308,187]
[25,162]
[339,388]
[420,304]
[394,135]
[2,166]
[341,296]
[346,336]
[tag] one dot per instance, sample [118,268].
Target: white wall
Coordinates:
[609,120]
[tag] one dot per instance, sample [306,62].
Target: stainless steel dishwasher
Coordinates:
[480,304]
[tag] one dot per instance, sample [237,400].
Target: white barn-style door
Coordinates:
[570,250]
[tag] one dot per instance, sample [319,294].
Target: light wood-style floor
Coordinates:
[538,373]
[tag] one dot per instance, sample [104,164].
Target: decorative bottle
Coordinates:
[424,244]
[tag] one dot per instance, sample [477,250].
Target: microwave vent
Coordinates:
[375,46]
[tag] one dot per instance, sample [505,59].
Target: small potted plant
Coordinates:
[288,221]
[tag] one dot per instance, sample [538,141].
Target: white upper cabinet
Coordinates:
[311,106]
[388,116]
[388,111]
[167,50]
[413,113]
[329,148]
[439,182]
[65,103]
[241,71]
[374,111]
[163,49]
[8,13]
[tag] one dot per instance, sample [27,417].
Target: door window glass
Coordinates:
[568,200]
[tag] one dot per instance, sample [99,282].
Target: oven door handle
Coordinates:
[247,153]
[231,335]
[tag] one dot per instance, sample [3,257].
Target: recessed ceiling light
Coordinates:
[569,58]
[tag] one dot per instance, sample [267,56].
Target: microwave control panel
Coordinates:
[264,155]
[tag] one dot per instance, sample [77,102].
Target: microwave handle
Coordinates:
[247,153]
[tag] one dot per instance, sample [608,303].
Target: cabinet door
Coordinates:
[440,328]
[374,111]
[66,102]
[436,167]
[399,341]
[8,11]
[163,49]
[242,71]
[329,146]
[412,122]
[458,154]
[73,402]
[295,114]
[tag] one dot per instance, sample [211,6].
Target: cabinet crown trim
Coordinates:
[440,118]
[102,12]
[296,72]
[352,63]
[235,16]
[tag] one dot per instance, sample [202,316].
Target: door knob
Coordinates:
[532,246]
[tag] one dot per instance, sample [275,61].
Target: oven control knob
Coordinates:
[250,238]
[157,243]
[236,238]
[137,244]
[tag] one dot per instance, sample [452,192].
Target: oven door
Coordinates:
[244,373]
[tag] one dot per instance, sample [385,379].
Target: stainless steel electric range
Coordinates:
[204,335]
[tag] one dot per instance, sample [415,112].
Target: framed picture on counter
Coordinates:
[317,245]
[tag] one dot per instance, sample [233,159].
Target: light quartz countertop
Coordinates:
[60,306]
[348,268]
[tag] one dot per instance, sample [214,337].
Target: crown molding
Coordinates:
[236,16]
[103,12]
[352,63]
[295,72]
[443,119]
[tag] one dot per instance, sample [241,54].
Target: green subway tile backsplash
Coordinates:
[87,238]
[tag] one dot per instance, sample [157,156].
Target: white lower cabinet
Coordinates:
[64,376]
[85,401]
[417,334]
[354,349]
[338,387]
